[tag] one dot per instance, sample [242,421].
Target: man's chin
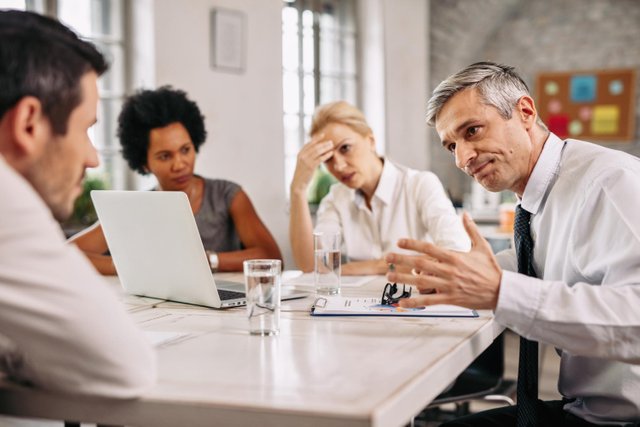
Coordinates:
[61,209]
[61,214]
[491,186]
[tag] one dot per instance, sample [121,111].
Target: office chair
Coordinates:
[483,379]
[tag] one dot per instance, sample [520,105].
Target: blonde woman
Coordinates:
[375,202]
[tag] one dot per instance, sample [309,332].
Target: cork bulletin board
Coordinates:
[591,105]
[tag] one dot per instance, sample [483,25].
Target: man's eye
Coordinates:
[451,148]
[472,130]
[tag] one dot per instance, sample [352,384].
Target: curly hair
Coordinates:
[151,109]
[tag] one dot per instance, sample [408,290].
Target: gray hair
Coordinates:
[498,86]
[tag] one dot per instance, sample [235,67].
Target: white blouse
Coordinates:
[406,204]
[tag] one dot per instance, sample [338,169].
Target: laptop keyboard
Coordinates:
[227,295]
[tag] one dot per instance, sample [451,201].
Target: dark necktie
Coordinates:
[527,391]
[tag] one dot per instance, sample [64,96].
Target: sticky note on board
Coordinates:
[605,120]
[583,88]
[551,88]
[585,113]
[559,124]
[554,106]
[575,127]
[616,87]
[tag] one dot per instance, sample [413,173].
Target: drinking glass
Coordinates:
[326,269]
[262,279]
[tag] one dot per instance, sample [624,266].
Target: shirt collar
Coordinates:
[386,185]
[543,173]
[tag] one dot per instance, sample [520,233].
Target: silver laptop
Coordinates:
[156,248]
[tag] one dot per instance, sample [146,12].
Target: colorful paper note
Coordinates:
[606,120]
[575,127]
[554,106]
[551,88]
[583,88]
[558,124]
[616,87]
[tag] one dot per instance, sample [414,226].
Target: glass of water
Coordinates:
[262,284]
[326,271]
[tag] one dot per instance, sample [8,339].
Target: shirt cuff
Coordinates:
[518,301]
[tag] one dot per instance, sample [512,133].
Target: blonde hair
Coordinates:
[340,112]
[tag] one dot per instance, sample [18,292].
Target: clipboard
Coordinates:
[370,306]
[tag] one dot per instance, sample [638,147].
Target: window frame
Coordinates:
[345,10]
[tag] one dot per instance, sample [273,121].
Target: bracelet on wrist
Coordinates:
[214,261]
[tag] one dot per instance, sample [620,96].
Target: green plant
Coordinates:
[320,185]
[83,211]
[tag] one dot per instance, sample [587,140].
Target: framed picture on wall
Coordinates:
[228,40]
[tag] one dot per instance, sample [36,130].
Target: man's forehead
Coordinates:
[460,108]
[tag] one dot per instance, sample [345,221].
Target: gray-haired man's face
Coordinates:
[496,152]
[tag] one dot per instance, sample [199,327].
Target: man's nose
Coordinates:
[464,155]
[92,160]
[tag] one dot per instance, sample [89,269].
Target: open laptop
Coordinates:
[156,248]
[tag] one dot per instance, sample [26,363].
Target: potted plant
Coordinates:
[84,214]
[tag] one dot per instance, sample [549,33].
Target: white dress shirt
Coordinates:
[406,204]
[585,202]
[61,325]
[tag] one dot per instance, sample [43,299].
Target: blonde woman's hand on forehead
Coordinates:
[312,154]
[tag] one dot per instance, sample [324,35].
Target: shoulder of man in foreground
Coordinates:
[62,326]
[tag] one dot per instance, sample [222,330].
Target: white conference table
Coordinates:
[331,371]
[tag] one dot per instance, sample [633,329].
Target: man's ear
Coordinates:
[526,109]
[28,127]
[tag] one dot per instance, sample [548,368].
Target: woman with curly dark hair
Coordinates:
[161,132]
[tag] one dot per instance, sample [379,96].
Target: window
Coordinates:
[31,5]
[319,65]
[102,22]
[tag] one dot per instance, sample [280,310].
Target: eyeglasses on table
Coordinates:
[391,294]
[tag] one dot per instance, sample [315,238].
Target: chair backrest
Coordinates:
[481,378]
[491,362]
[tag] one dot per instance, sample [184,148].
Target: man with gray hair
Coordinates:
[577,251]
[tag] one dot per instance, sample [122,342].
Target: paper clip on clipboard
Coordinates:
[320,302]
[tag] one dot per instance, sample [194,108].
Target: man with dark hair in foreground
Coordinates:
[61,326]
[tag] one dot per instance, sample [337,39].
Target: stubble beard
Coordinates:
[50,181]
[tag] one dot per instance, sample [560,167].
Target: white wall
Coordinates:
[243,111]
[372,66]
[394,76]
[406,53]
